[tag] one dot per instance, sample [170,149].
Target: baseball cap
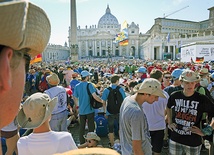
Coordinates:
[176,73]
[85,73]
[142,70]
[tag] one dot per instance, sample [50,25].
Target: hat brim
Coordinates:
[97,137]
[26,124]
[87,75]
[157,92]
[190,80]
[52,84]
[25,26]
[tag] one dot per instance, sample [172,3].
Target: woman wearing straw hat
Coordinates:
[36,114]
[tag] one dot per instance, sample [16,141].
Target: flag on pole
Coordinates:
[168,37]
[36,59]
[122,37]
[199,59]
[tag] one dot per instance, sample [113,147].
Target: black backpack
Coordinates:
[94,103]
[114,101]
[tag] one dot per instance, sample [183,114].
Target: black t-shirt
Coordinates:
[187,112]
[171,89]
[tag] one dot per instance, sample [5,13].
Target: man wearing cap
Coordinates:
[74,81]
[36,114]
[184,110]
[22,37]
[176,85]
[59,116]
[82,99]
[141,73]
[134,133]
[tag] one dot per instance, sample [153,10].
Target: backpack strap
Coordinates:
[89,94]
[87,87]
[118,88]
[109,88]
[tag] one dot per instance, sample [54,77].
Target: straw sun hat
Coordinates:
[24,25]
[92,135]
[189,76]
[53,79]
[36,110]
[150,86]
[90,151]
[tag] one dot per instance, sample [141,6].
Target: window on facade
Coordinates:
[132,42]
[132,31]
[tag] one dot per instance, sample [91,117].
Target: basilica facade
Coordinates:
[162,41]
[97,40]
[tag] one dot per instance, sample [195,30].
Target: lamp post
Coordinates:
[108,55]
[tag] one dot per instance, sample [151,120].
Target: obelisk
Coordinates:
[73,33]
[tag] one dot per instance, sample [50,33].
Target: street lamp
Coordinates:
[108,55]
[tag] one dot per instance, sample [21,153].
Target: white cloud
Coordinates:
[177,2]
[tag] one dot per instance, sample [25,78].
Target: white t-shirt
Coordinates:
[59,92]
[46,143]
[155,113]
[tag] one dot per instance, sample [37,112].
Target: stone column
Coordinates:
[73,32]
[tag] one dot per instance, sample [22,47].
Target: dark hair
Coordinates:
[83,78]
[156,74]
[114,78]
[1,47]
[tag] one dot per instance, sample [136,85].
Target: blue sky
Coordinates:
[142,12]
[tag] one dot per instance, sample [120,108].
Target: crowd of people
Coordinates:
[152,104]
[162,107]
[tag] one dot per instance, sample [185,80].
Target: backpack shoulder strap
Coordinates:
[109,88]
[118,87]
[88,89]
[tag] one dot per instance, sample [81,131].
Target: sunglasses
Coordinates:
[167,77]
[23,53]
[89,141]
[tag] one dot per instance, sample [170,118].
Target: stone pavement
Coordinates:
[104,140]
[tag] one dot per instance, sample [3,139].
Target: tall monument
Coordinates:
[73,33]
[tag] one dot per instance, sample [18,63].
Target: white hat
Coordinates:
[150,86]
[92,135]
[36,110]
[189,76]
[24,25]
